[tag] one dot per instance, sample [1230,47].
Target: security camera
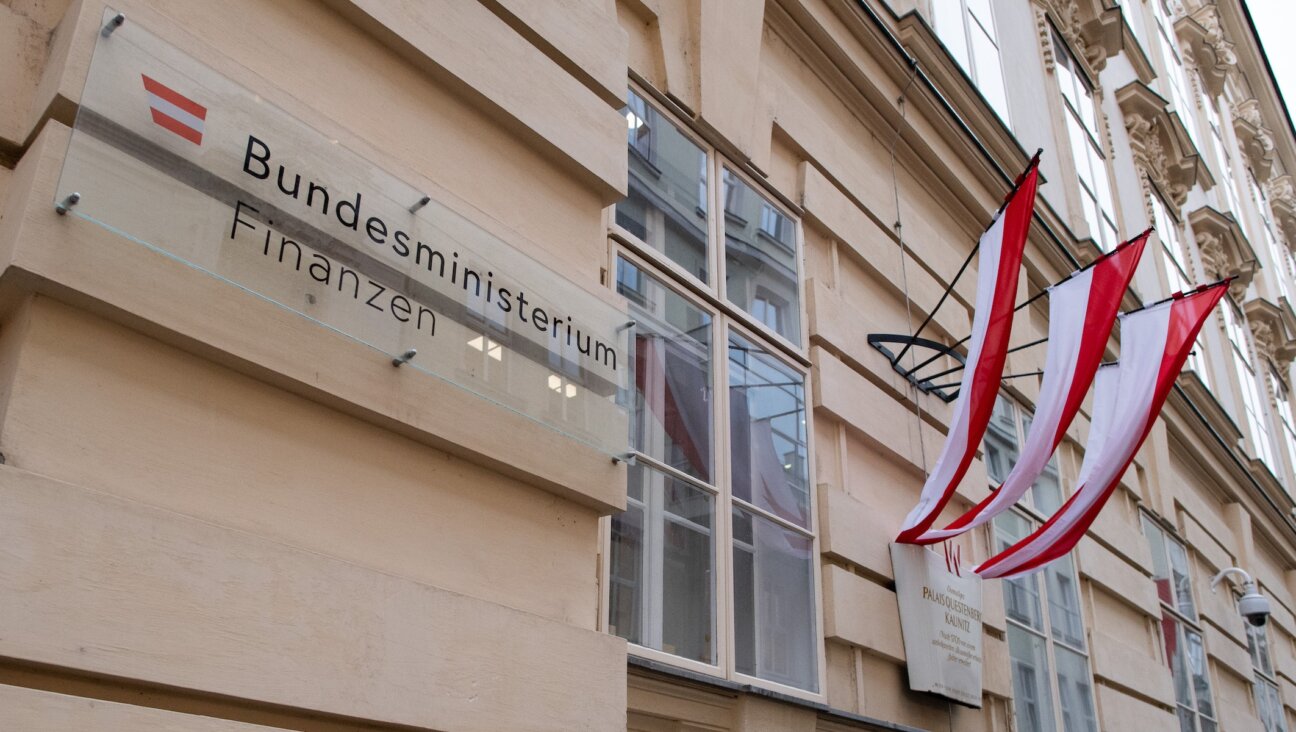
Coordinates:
[1253,606]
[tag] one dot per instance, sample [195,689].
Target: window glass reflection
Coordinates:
[774,618]
[666,205]
[672,419]
[1032,692]
[662,566]
[761,265]
[768,433]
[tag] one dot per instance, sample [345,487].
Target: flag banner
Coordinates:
[1155,342]
[1082,311]
[999,265]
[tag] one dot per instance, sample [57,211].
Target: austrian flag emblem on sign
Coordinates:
[174,111]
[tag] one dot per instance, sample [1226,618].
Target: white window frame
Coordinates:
[1184,623]
[1074,83]
[1253,407]
[726,319]
[964,55]
[1265,687]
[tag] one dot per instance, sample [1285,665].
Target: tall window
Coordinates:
[1086,150]
[1222,153]
[1180,633]
[1252,405]
[1278,254]
[1288,427]
[1268,703]
[1174,67]
[1052,687]
[967,29]
[1174,258]
[719,504]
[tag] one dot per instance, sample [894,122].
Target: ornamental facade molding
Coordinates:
[1256,138]
[1282,199]
[1273,329]
[1223,248]
[1092,30]
[1202,34]
[1162,149]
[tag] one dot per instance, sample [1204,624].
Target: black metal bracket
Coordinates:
[932,350]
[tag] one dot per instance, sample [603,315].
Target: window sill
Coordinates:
[646,666]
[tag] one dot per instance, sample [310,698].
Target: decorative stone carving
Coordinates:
[1282,199]
[1257,141]
[1223,248]
[1273,328]
[1201,32]
[1092,30]
[1160,144]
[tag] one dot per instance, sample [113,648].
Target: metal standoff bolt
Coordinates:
[113,24]
[626,457]
[66,204]
[628,324]
[404,358]
[421,203]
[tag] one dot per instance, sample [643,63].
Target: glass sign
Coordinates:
[180,159]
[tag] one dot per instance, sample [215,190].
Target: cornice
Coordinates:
[1282,199]
[1223,247]
[1162,148]
[1273,328]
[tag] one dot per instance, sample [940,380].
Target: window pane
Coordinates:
[1046,494]
[1180,578]
[1160,564]
[1064,603]
[1172,636]
[666,205]
[662,566]
[768,433]
[1001,440]
[948,18]
[1200,676]
[1032,695]
[672,418]
[1021,595]
[1258,644]
[1075,692]
[761,259]
[989,74]
[774,612]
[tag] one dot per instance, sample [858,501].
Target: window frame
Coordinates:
[1246,364]
[713,290]
[972,68]
[1262,678]
[1034,517]
[1066,57]
[727,319]
[1183,623]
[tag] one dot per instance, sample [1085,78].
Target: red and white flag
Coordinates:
[1082,311]
[999,265]
[174,111]
[1155,342]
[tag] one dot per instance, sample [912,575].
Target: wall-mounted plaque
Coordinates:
[169,153]
[940,618]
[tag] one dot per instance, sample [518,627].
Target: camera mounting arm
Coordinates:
[1248,584]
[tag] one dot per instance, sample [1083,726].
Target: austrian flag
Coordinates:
[174,111]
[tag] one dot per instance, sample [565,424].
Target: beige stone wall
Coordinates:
[217,516]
